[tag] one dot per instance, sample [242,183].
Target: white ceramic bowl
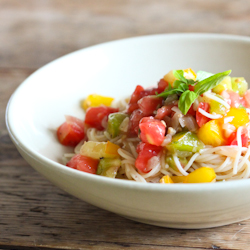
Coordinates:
[39,104]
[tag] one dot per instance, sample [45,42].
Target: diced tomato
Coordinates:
[191,110]
[152,131]
[162,85]
[191,87]
[71,132]
[97,116]
[145,152]
[148,104]
[83,163]
[164,111]
[200,118]
[137,95]
[232,98]
[232,140]
[134,120]
[246,98]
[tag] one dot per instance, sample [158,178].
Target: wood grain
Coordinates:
[34,214]
[35,32]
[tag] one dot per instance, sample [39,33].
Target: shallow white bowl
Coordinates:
[39,104]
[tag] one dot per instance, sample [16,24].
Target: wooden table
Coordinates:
[34,214]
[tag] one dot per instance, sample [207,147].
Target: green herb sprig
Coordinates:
[205,81]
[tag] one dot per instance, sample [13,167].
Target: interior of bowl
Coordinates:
[40,103]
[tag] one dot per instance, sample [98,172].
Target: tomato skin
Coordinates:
[246,98]
[145,153]
[162,85]
[200,118]
[164,111]
[232,98]
[232,139]
[191,87]
[191,111]
[83,163]
[71,132]
[148,104]
[95,116]
[134,120]
[152,131]
[138,93]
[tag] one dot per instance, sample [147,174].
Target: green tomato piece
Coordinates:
[239,85]
[185,141]
[114,122]
[216,107]
[170,161]
[108,167]
[225,84]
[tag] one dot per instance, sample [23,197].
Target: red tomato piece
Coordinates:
[145,153]
[246,98]
[137,95]
[232,98]
[148,104]
[200,118]
[71,132]
[191,87]
[162,85]
[134,120]
[152,131]
[232,140]
[83,163]
[97,116]
[164,111]
[191,110]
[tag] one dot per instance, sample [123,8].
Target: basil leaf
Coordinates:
[180,85]
[183,87]
[201,75]
[179,74]
[210,82]
[176,84]
[191,82]
[186,100]
[165,94]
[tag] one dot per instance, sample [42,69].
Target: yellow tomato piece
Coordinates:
[166,180]
[178,179]
[96,100]
[200,175]
[240,116]
[111,150]
[190,74]
[211,133]
[97,150]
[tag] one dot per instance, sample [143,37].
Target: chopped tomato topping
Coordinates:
[83,163]
[96,117]
[71,132]
[232,140]
[246,98]
[191,111]
[149,104]
[164,111]
[200,118]
[152,131]
[145,153]
[162,85]
[137,95]
[134,120]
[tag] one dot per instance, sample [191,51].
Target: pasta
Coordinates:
[191,128]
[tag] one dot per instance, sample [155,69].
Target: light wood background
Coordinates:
[34,214]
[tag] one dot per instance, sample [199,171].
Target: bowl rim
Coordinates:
[178,187]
